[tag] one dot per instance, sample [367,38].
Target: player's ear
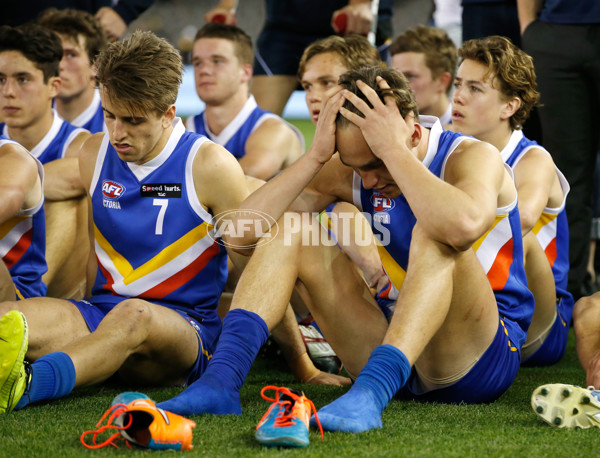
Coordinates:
[415,138]
[246,73]
[446,80]
[511,106]
[54,85]
[169,116]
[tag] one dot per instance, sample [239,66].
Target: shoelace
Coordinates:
[285,418]
[111,413]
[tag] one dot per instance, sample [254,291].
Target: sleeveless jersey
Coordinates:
[153,238]
[56,142]
[23,245]
[551,230]
[92,118]
[235,135]
[499,251]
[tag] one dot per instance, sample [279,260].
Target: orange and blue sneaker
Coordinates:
[14,374]
[285,424]
[567,406]
[141,423]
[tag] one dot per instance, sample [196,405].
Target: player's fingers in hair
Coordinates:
[355,119]
[359,103]
[370,94]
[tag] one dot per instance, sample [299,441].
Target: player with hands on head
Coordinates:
[461,312]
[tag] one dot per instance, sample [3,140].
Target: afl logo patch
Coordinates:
[381,203]
[112,189]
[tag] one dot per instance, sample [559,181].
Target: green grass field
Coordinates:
[507,427]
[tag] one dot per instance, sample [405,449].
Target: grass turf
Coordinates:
[507,427]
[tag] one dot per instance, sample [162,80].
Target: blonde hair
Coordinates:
[354,51]
[439,50]
[142,73]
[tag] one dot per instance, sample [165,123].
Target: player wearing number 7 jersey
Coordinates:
[159,269]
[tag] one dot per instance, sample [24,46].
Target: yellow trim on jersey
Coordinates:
[10,224]
[478,243]
[396,273]
[545,219]
[169,253]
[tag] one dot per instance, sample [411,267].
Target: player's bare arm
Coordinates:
[290,189]
[456,211]
[20,186]
[62,178]
[268,149]
[537,185]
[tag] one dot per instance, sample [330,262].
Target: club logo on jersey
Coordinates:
[381,203]
[112,189]
[167,190]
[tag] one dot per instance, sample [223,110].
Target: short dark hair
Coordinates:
[399,90]
[242,43]
[72,23]
[38,44]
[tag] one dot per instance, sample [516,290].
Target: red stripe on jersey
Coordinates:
[109,279]
[19,249]
[499,272]
[551,252]
[183,276]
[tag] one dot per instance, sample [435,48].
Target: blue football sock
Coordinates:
[361,407]
[53,376]
[217,391]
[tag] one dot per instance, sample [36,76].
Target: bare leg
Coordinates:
[146,342]
[273,92]
[445,319]
[67,248]
[7,287]
[586,322]
[343,306]
[541,283]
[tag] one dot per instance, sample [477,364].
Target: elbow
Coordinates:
[464,234]
[527,222]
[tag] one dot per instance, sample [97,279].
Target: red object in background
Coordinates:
[341,22]
[220,19]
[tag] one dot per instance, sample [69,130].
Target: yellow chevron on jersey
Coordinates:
[161,267]
[393,270]
[489,244]
[16,227]
[545,229]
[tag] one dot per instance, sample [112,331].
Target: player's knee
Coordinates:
[586,313]
[133,314]
[6,307]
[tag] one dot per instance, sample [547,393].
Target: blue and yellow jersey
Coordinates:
[233,138]
[499,250]
[23,245]
[56,142]
[153,238]
[551,230]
